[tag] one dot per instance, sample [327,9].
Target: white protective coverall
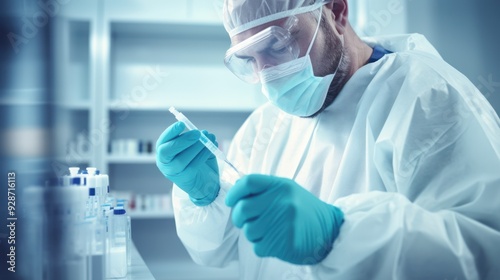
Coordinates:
[409,150]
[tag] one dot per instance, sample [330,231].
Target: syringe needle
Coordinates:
[234,168]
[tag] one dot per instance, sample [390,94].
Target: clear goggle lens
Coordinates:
[270,47]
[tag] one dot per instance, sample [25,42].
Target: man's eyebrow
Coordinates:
[293,32]
[243,56]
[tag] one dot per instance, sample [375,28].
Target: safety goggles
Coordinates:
[270,47]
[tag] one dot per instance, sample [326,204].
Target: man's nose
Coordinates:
[261,62]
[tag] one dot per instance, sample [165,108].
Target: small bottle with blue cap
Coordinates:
[117,255]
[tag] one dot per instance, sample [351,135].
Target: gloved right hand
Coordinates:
[183,159]
[284,220]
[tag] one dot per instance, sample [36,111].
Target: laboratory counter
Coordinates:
[138,269]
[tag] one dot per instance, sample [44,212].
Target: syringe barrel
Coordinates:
[187,122]
[203,138]
[211,147]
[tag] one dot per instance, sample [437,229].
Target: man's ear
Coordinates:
[338,11]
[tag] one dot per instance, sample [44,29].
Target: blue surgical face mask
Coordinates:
[292,86]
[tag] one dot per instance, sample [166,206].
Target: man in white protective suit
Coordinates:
[373,159]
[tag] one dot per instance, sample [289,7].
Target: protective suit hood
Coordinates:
[241,15]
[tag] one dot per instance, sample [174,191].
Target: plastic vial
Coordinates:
[117,255]
[129,241]
[120,203]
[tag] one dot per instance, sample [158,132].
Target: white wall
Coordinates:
[378,17]
[464,32]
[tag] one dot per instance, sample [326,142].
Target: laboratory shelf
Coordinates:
[22,97]
[151,214]
[236,108]
[77,106]
[186,30]
[116,107]
[142,159]
[72,161]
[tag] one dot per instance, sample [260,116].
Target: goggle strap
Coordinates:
[291,22]
[317,29]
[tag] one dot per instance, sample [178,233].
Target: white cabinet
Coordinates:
[72,93]
[120,65]
[158,65]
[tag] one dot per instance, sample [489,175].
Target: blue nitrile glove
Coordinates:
[186,162]
[284,220]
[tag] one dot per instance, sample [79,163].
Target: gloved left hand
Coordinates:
[283,219]
[185,161]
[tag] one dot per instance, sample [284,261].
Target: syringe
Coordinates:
[204,139]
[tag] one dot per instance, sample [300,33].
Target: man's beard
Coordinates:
[335,54]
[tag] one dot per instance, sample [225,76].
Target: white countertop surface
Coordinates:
[138,269]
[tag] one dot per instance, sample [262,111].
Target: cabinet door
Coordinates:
[72,92]
[155,66]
